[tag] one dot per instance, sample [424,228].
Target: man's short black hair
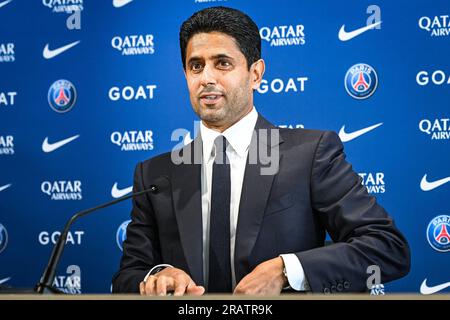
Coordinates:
[228,21]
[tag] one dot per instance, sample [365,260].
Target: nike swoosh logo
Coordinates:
[117,193]
[5,187]
[49,54]
[345,137]
[50,147]
[345,36]
[121,3]
[4,3]
[2,281]
[428,186]
[424,289]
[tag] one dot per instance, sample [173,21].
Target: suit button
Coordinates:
[326,291]
[154,189]
[346,284]
[340,287]
[333,289]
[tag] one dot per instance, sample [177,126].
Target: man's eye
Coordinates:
[224,63]
[196,66]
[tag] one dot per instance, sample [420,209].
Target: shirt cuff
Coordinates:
[295,274]
[163,265]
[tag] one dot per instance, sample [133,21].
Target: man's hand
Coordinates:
[168,280]
[266,279]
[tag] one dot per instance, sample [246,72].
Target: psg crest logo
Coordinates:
[361,81]
[121,234]
[438,233]
[62,96]
[3,238]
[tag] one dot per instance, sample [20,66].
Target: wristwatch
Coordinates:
[157,269]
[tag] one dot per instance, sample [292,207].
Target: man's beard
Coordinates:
[228,113]
[214,116]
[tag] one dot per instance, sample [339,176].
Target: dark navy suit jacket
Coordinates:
[314,191]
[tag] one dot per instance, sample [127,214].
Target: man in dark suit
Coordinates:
[245,207]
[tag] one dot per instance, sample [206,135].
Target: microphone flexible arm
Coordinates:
[45,285]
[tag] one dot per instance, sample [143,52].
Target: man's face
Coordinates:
[220,84]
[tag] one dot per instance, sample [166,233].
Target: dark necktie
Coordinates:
[219,229]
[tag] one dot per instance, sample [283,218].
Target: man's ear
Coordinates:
[257,71]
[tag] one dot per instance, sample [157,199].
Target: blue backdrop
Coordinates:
[69,145]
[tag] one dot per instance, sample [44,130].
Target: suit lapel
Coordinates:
[188,207]
[186,192]
[255,193]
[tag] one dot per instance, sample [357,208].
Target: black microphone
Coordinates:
[45,285]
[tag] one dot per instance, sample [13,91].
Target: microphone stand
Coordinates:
[45,285]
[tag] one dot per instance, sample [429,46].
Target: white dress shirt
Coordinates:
[239,137]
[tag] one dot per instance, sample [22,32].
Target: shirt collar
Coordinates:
[239,135]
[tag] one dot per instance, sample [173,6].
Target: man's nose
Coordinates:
[208,76]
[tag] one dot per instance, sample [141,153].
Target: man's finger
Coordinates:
[164,284]
[181,283]
[180,287]
[195,290]
[142,288]
[150,286]
[161,284]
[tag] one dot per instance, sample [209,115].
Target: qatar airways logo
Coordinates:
[280,36]
[291,126]
[70,282]
[133,140]
[134,44]
[62,190]
[67,6]
[279,85]
[374,182]
[6,145]
[7,52]
[437,26]
[7,98]
[436,129]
